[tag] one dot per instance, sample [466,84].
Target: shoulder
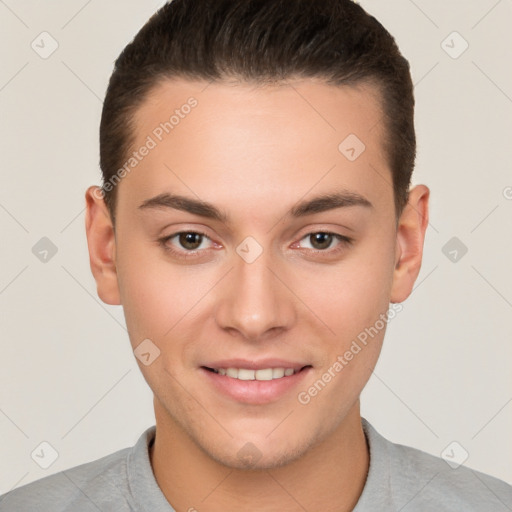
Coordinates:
[435,481]
[99,484]
[416,480]
[81,486]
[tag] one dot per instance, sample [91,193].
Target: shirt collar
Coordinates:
[376,493]
[143,486]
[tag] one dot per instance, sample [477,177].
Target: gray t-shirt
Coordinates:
[400,478]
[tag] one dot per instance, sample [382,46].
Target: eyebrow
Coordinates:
[318,204]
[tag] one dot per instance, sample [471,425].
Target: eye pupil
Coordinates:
[190,240]
[323,239]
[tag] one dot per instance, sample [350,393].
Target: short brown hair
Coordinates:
[261,41]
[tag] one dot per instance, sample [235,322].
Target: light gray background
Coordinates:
[68,376]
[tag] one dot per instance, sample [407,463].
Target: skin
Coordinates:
[254,152]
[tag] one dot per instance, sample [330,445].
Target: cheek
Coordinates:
[352,300]
[350,296]
[155,295]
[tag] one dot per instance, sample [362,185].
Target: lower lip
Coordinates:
[255,392]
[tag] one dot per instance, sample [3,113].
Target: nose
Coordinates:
[255,300]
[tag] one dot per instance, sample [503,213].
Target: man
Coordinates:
[254,221]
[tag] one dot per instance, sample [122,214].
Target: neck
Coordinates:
[330,476]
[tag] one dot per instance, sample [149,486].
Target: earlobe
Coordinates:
[411,230]
[102,246]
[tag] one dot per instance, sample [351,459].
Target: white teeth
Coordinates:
[244,374]
[277,373]
[265,374]
[232,372]
[262,374]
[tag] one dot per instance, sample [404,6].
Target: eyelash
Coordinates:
[344,241]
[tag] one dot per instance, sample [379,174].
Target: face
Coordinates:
[252,267]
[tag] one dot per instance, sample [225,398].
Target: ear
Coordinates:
[411,229]
[102,246]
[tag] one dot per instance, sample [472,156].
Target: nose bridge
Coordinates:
[254,300]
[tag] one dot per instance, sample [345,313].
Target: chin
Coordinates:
[260,455]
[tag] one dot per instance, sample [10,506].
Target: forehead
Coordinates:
[329,111]
[241,142]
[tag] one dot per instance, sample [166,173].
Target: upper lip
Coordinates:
[256,365]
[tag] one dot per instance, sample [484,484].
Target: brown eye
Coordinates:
[321,241]
[191,245]
[325,242]
[190,241]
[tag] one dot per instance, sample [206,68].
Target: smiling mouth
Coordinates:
[263,374]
